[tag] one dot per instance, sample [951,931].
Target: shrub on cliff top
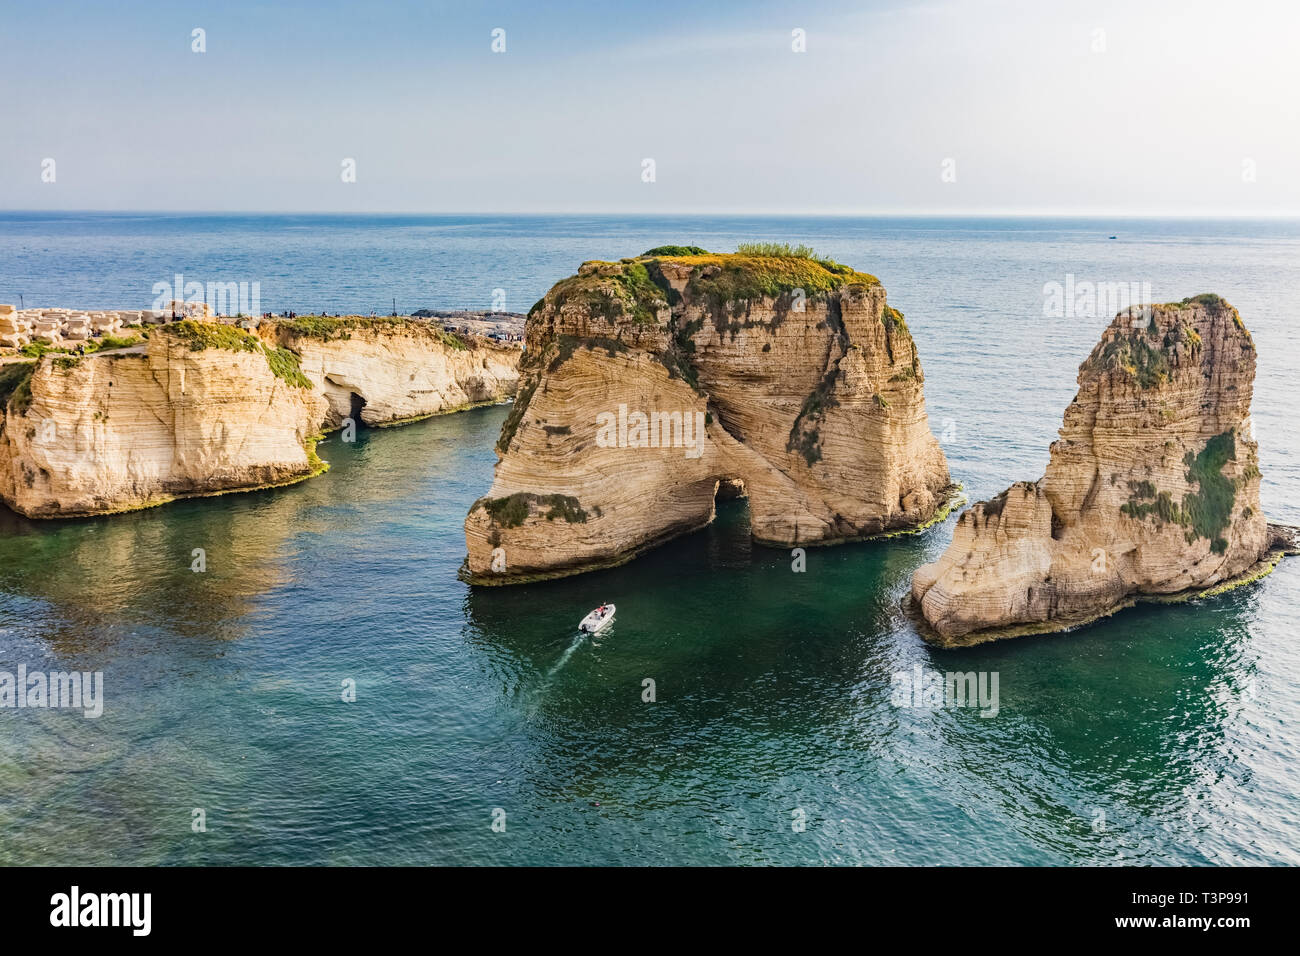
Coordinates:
[112,342]
[212,335]
[778,249]
[675,251]
[783,250]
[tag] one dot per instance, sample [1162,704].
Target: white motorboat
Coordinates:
[598,619]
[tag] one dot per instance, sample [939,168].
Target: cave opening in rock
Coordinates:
[354,412]
[728,488]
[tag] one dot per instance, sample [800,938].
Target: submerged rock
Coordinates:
[652,386]
[1152,489]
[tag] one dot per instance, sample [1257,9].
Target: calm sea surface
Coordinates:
[1164,735]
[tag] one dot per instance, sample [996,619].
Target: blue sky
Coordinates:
[1172,108]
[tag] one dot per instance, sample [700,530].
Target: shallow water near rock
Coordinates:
[1161,735]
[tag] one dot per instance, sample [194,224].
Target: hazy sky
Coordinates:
[1135,107]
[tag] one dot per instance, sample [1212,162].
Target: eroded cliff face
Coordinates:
[205,408]
[1152,488]
[393,372]
[116,431]
[649,384]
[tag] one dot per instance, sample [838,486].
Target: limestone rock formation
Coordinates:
[391,371]
[122,430]
[650,384]
[205,408]
[1152,489]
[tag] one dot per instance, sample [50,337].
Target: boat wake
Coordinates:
[564,658]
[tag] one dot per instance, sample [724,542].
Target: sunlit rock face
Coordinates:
[649,385]
[203,408]
[389,372]
[122,430]
[1152,488]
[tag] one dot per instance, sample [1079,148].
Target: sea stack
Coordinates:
[1152,489]
[653,385]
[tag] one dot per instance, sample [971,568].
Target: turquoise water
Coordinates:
[1164,735]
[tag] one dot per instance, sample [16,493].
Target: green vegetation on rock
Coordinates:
[1204,513]
[678,358]
[726,283]
[1213,303]
[108,343]
[1208,299]
[896,328]
[211,335]
[775,249]
[729,283]
[328,328]
[1133,353]
[513,510]
[16,384]
[613,290]
[1210,510]
[283,363]
[674,251]
[286,365]
[994,507]
[805,437]
[562,348]
[515,416]
[314,461]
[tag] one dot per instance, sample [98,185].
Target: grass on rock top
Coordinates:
[328,328]
[198,336]
[108,343]
[613,290]
[1144,354]
[636,288]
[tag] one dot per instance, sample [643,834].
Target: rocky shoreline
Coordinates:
[201,408]
[649,388]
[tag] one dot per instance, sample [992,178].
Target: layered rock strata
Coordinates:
[1152,489]
[651,383]
[203,408]
[386,372]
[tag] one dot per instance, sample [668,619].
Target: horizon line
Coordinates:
[728,213]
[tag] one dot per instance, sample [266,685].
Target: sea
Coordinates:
[324,690]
